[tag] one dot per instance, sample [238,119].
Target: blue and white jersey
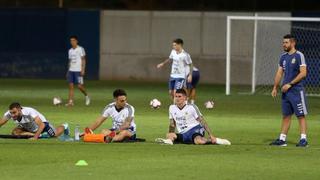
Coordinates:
[27,121]
[75,58]
[179,64]
[185,118]
[119,116]
[291,64]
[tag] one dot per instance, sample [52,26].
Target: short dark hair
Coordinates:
[14,105]
[289,36]
[181,91]
[119,92]
[178,41]
[74,37]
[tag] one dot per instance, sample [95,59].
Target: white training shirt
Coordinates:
[75,56]
[27,121]
[119,117]
[179,63]
[185,118]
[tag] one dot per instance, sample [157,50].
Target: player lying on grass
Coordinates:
[189,123]
[122,115]
[31,123]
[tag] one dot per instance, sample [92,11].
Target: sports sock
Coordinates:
[303,136]
[282,137]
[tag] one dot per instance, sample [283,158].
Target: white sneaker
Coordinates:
[163,141]
[87,100]
[222,141]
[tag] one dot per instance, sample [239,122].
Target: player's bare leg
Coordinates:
[71,95]
[303,125]
[84,92]
[105,132]
[198,140]
[61,129]
[286,122]
[121,136]
[19,131]
[192,95]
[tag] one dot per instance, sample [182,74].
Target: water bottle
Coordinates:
[77,133]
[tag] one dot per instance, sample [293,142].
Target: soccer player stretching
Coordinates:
[122,115]
[189,123]
[293,69]
[30,122]
[180,61]
[76,72]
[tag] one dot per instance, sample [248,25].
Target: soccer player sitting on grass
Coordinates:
[189,123]
[122,115]
[31,123]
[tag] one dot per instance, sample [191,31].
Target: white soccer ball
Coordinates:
[155,103]
[209,104]
[57,101]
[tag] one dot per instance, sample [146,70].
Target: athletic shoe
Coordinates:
[66,129]
[87,100]
[69,104]
[302,143]
[278,142]
[164,141]
[220,141]
[112,134]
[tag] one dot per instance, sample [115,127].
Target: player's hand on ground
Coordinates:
[213,139]
[33,138]
[189,78]
[286,87]
[274,92]
[160,65]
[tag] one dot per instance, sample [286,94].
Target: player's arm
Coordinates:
[172,126]
[41,126]
[160,65]
[97,123]
[277,80]
[83,65]
[300,76]
[126,123]
[189,77]
[3,121]
[204,124]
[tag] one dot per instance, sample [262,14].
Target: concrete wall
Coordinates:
[133,42]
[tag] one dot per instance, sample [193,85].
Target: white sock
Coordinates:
[303,136]
[282,137]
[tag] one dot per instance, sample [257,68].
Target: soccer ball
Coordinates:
[57,101]
[209,104]
[155,103]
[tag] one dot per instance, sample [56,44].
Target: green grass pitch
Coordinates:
[249,122]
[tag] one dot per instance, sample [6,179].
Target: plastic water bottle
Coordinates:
[77,133]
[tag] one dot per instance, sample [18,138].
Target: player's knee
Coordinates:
[80,86]
[199,140]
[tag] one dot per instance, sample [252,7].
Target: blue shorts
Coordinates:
[294,101]
[195,80]
[188,137]
[176,83]
[48,128]
[74,77]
